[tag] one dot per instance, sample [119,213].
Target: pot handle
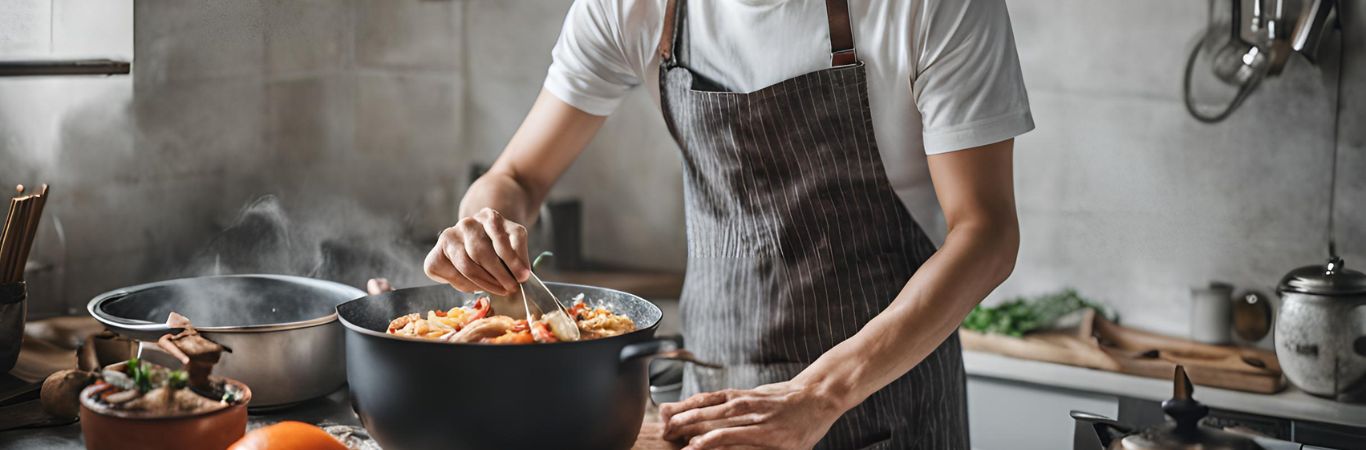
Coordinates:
[660,348]
[1107,430]
[136,329]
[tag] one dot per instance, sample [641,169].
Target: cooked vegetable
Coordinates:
[1021,315]
[197,353]
[473,324]
[141,386]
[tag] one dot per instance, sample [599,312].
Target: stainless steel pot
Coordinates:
[1321,330]
[283,331]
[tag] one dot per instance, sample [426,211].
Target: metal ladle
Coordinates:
[561,325]
[536,299]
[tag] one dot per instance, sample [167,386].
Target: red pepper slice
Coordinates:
[481,309]
[440,313]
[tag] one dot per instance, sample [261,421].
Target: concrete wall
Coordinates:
[370,111]
[77,134]
[1126,197]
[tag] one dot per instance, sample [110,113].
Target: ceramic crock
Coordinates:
[117,430]
[1321,330]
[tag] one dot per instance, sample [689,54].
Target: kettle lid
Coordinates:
[1330,279]
[1205,438]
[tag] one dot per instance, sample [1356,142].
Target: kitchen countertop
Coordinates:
[335,408]
[1291,403]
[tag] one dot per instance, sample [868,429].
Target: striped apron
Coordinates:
[796,239]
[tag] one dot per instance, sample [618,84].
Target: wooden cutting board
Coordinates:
[1101,344]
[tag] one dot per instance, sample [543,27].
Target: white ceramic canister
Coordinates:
[1211,313]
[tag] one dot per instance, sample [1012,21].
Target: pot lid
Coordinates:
[1185,431]
[1330,279]
[1204,438]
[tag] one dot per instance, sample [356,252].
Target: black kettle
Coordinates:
[1182,432]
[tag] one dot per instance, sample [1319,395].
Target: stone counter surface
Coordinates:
[332,409]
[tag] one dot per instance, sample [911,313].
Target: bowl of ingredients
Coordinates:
[140,405]
[431,367]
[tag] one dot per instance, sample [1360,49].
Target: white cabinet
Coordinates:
[1007,415]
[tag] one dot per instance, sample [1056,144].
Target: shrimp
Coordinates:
[488,327]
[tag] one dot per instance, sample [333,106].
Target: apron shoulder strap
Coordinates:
[841,36]
[836,12]
[669,38]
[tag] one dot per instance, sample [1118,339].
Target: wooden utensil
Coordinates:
[17,234]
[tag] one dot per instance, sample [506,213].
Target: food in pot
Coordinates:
[146,388]
[473,324]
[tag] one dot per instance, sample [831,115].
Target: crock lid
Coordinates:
[1331,279]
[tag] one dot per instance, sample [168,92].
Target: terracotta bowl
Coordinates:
[120,430]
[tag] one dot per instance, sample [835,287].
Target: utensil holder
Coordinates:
[13,308]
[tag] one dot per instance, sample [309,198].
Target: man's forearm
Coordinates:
[551,136]
[503,193]
[971,263]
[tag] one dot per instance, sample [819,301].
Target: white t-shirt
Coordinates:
[942,74]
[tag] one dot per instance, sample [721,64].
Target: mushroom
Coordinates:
[195,352]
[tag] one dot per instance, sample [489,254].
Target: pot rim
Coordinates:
[86,404]
[360,329]
[142,325]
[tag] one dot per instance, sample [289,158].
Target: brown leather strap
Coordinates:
[841,36]
[667,36]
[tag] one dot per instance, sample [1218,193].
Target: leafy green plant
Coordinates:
[1021,315]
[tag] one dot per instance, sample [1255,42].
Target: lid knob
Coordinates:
[1186,411]
[1334,265]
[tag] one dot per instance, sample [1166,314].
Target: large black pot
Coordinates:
[420,394]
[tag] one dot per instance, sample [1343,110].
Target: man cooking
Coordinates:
[804,126]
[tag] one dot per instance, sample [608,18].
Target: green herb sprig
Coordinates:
[1021,315]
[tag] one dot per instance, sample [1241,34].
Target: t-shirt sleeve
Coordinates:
[590,67]
[968,85]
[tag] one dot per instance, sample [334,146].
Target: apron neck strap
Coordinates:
[841,36]
[836,13]
[670,39]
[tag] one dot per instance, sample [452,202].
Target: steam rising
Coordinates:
[335,240]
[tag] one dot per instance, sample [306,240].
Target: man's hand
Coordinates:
[478,252]
[787,415]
